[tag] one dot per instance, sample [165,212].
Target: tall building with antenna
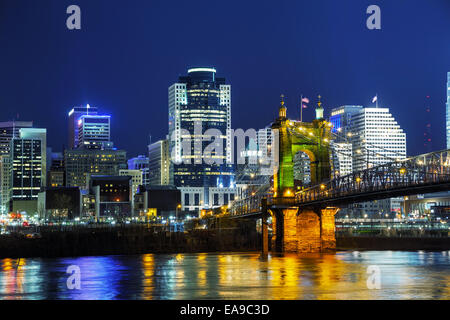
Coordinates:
[447,113]
[73,118]
[201,101]
[376,138]
[371,137]
[8,131]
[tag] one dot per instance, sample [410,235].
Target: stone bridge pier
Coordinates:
[302,230]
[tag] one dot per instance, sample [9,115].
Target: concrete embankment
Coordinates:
[392,243]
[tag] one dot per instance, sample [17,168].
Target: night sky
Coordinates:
[129,52]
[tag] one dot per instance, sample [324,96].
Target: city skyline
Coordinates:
[401,79]
[223,155]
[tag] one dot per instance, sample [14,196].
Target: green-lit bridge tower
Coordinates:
[306,229]
[312,138]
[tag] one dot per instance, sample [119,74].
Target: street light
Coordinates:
[176,212]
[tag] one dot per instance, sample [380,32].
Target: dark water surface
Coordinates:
[403,275]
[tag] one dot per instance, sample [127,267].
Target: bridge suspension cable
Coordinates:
[348,153]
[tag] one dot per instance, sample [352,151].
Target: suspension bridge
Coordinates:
[303,220]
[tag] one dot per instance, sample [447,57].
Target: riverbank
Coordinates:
[392,243]
[54,243]
[126,240]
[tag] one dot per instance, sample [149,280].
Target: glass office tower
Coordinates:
[26,170]
[10,130]
[198,102]
[94,131]
[74,117]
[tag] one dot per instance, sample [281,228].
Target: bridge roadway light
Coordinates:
[322,187]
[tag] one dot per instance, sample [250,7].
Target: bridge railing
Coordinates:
[433,168]
[248,205]
[427,169]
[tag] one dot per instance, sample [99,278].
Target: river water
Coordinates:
[344,275]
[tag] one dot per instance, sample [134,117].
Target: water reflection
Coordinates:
[404,275]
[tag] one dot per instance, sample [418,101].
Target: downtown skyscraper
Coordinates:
[376,138]
[27,168]
[74,118]
[159,163]
[199,102]
[364,138]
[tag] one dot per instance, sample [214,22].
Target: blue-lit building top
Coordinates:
[200,98]
[74,116]
[341,118]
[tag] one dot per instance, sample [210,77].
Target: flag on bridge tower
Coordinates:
[303,106]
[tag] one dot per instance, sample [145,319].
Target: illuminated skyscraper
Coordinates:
[8,131]
[94,131]
[200,101]
[376,138]
[11,129]
[140,163]
[366,137]
[81,164]
[4,183]
[74,117]
[38,134]
[27,168]
[159,163]
[341,118]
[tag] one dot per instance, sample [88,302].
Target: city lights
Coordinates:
[233,151]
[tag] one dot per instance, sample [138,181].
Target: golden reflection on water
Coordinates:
[14,276]
[202,282]
[148,267]
[284,276]
[308,276]
[7,264]
[405,275]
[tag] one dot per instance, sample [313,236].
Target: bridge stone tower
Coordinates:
[301,229]
[310,138]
